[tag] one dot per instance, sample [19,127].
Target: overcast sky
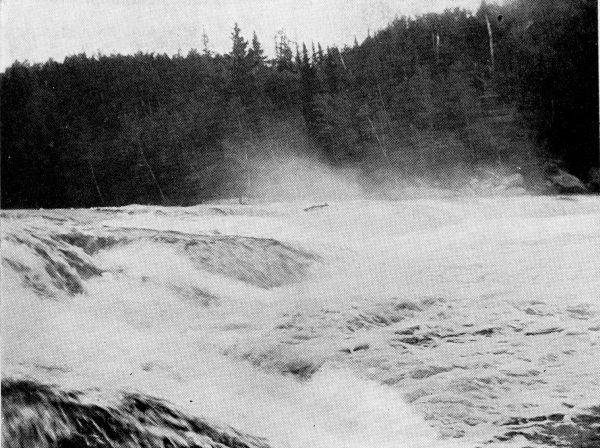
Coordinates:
[40,29]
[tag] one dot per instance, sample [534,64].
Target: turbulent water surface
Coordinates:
[441,322]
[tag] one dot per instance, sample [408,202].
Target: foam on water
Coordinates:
[130,329]
[454,306]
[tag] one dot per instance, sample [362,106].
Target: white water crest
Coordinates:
[416,323]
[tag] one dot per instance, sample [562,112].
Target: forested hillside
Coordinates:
[423,98]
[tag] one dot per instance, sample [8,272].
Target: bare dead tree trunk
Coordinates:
[491,40]
[95,181]
[342,59]
[145,160]
[383,150]
[381,146]
[151,171]
[435,40]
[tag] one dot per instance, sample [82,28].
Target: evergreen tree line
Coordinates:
[505,86]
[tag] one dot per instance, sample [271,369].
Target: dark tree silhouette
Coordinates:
[422,95]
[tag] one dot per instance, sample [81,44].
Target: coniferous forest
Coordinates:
[506,86]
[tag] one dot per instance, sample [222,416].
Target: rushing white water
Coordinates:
[363,323]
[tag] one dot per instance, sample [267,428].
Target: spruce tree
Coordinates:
[283,52]
[239,65]
[256,54]
[205,44]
